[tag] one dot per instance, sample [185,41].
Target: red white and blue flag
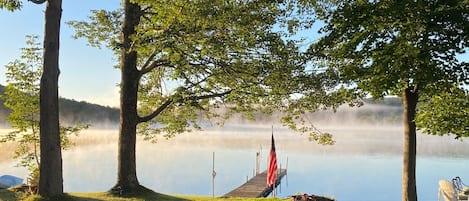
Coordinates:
[272,170]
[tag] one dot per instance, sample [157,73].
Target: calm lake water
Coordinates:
[365,164]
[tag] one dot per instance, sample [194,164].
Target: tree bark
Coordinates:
[409,187]
[127,181]
[50,179]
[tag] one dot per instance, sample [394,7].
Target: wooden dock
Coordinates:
[256,186]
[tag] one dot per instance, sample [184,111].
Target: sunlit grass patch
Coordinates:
[7,195]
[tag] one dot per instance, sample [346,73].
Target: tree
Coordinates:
[405,48]
[181,60]
[22,98]
[50,181]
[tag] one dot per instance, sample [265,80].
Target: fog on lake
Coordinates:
[364,164]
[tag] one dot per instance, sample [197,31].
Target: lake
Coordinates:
[364,164]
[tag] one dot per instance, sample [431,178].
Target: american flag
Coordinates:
[272,165]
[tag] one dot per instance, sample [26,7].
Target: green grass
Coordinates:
[7,195]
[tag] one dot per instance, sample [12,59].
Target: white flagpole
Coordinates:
[213,174]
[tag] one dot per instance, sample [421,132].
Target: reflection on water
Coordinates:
[365,164]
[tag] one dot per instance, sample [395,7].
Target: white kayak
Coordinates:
[7,181]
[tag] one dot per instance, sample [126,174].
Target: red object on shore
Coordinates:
[271,172]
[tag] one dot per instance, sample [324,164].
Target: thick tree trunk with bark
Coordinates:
[127,181]
[409,187]
[50,179]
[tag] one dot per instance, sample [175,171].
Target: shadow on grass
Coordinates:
[7,195]
[147,194]
[105,196]
[142,195]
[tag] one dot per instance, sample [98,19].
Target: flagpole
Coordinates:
[275,172]
[213,174]
[278,173]
[257,163]
[286,173]
[272,166]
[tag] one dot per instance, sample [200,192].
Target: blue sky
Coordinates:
[87,73]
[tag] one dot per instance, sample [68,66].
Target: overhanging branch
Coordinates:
[147,68]
[215,95]
[156,112]
[38,1]
[148,61]
[169,101]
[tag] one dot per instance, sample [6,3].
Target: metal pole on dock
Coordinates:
[286,173]
[257,162]
[272,193]
[213,174]
[278,173]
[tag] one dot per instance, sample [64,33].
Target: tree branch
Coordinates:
[38,1]
[153,66]
[147,62]
[214,95]
[156,112]
[169,101]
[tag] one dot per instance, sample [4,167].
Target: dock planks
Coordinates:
[256,186]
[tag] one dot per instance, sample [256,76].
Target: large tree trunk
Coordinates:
[127,181]
[409,187]
[50,179]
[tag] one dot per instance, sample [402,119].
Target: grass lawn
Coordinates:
[6,195]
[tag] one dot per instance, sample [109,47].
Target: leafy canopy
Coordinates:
[382,47]
[195,57]
[446,113]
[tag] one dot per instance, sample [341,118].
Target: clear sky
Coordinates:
[86,73]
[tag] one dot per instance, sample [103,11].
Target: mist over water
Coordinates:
[364,164]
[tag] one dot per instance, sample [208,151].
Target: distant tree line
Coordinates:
[72,112]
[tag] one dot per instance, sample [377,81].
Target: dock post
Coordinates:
[213,174]
[257,162]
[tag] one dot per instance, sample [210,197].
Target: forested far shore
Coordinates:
[387,111]
[72,112]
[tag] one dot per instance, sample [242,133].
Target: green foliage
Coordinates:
[446,113]
[197,56]
[10,5]
[383,47]
[105,27]
[22,97]
[395,47]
